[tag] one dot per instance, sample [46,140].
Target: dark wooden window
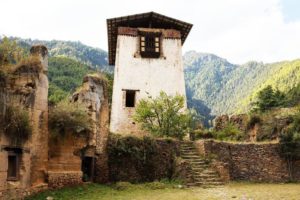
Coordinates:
[13,166]
[150,45]
[130,98]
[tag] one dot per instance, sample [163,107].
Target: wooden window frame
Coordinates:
[14,178]
[150,44]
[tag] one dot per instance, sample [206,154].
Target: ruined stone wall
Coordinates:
[135,159]
[94,95]
[26,86]
[65,160]
[66,154]
[249,161]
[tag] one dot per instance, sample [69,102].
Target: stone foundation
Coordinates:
[249,161]
[64,178]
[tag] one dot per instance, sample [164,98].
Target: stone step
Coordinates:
[198,163]
[193,157]
[201,173]
[188,152]
[209,183]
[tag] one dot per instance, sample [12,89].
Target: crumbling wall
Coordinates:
[94,95]
[68,152]
[249,161]
[26,85]
[65,160]
[258,127]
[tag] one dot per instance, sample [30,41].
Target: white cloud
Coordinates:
[239,30]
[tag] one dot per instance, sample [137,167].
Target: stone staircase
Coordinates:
[201,173]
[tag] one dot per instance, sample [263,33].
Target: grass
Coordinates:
[240,191]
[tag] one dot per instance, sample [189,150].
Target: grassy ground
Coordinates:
[240,191]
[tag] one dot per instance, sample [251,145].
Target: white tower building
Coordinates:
[146,51]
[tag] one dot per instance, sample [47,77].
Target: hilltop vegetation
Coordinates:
[65,75]
[93,57]
[227,88]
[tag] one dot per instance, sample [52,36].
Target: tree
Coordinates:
[269,98]
[10,52]
[163,116]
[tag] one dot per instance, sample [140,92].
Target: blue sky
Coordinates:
[291,10]
[238,30]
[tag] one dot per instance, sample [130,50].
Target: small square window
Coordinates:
[130,98]
[13,166]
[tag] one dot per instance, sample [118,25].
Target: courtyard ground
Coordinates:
[240,191]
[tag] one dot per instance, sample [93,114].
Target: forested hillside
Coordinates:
[229,88]
[65,75]
[93,57]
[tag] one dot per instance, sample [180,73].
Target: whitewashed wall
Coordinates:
[148,75]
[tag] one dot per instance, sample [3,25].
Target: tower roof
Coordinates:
[143,20]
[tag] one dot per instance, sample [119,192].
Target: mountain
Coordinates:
[93,57]
[228,88]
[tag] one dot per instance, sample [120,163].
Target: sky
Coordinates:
[238,30]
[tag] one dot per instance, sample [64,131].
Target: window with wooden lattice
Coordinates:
[150,44]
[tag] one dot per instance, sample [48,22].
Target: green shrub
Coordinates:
[229,132]
[203,134]
[254,119]
[122,185]
[163,115]
[16,124]
[66,116]
[156,185]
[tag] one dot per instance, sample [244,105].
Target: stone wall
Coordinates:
[94,95]
[26,87]
[65,160]
[66,154]
[61,179]
[141,159]
[249,161]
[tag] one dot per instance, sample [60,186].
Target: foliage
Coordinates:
[293,96]
[66,116]
[93,57]
[229,132]
[122,185]
[156,185]
[203,134]
[163,115]
[254,119]
[10,52]
[138,149]
[290,143]
[65,75]
[268,98]
[16,124]
[136,159]
[214,83]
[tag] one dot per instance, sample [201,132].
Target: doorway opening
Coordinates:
[87,168]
